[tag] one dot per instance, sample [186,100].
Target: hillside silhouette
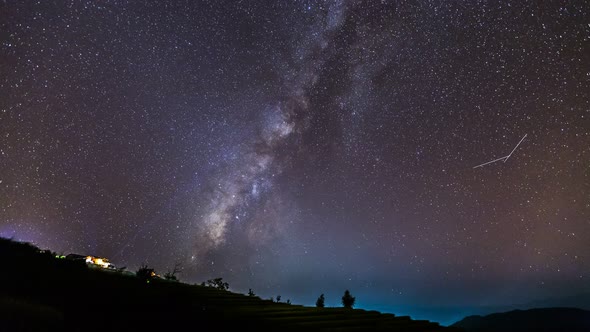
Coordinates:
[538,320]
[40,291]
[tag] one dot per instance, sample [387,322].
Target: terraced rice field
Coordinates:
[42,293]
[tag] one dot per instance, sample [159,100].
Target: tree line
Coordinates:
[347,300]
[146,273]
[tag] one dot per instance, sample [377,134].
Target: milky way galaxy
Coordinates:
[253,170]
[304,147]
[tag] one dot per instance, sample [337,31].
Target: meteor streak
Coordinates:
[503,158]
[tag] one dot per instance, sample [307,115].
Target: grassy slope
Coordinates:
[41,293]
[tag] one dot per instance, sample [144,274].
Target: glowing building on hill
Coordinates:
[91,260]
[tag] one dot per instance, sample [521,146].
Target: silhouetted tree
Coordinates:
[278,298]
[251,293]
[171,275]
[145,273]
[217,283]
[348,300]
[320,301]
[288,301]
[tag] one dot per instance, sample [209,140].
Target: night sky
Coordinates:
[306,147]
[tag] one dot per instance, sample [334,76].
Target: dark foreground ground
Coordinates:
[39,292]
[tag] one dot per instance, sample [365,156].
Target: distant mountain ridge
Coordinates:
[448,315]
[539,320]
[581,301]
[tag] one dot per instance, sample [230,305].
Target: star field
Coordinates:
[306,147]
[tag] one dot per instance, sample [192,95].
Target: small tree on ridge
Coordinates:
[217,283]
[348,300]
[171,275]
[145,273]
[320,301]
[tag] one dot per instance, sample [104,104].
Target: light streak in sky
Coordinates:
[505,157]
